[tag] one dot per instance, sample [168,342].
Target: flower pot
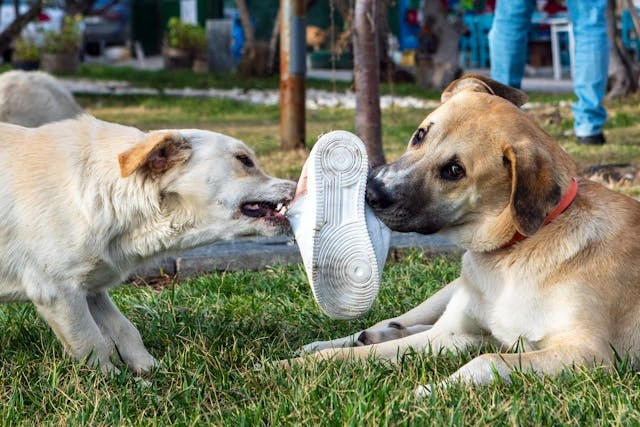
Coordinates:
[25,65]
[177,59]
[60,63]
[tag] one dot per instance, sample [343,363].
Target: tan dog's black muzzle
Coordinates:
[377,195]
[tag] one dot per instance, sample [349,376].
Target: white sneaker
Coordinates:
[343,244]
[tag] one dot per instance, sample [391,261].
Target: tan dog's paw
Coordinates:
[288,364]
[314,347]
[423,391]
[389,332]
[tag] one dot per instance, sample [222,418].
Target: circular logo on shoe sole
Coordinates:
[359,271]
[342,160]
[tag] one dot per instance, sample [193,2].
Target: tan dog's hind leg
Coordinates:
[484,369]
[121,332]
[416,320]
[69,316]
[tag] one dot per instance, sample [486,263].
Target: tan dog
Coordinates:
[482,172]
[33,98]
[83,202]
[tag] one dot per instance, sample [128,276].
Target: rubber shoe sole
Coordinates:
[343,245]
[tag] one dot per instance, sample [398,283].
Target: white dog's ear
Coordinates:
[480,83]
[158,152]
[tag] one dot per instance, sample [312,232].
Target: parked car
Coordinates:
[109,26]
[50,18]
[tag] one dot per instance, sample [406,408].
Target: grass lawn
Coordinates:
[218,335]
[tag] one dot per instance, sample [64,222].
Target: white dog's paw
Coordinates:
[423,391]
[103,362]
[140,361]
[143,365]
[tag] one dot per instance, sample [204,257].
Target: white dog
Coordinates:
[84,202]
[33,98]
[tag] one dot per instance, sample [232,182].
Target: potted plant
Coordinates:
[26,55]
[61,49]
[185,45]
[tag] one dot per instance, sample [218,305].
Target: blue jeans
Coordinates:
[508,41]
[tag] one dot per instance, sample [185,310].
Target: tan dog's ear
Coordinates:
[158,152]
[534,190]
[479,83]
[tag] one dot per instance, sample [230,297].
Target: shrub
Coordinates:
[185,36]
[26,50]
[66,40]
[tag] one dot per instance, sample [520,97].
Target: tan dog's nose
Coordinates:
[377,195]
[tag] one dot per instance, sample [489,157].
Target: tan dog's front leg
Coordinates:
[416,320]
[454,331]
[431,341]
[486,368]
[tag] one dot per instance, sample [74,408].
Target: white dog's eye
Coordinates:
[245,160]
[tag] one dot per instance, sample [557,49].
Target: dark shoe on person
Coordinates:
[597,139]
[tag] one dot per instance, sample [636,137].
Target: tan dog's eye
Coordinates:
[418,137]
[245,160]
[452,171]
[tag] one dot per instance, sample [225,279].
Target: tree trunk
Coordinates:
[292,75]
[249,34]
[437,56]
[15,28]
[623,69]
[386,65]
[255,58]
[273,43]
[367,79]
[275,38]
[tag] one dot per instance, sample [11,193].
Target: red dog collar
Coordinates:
[561,207]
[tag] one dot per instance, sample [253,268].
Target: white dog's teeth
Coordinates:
[282,208]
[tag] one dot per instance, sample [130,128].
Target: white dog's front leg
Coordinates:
[69,316]
[121,331]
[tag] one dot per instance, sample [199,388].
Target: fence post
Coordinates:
[292,73]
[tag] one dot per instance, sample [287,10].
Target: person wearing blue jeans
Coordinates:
[507,46]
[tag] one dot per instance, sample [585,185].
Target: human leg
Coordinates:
[591,65]
[508,40]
